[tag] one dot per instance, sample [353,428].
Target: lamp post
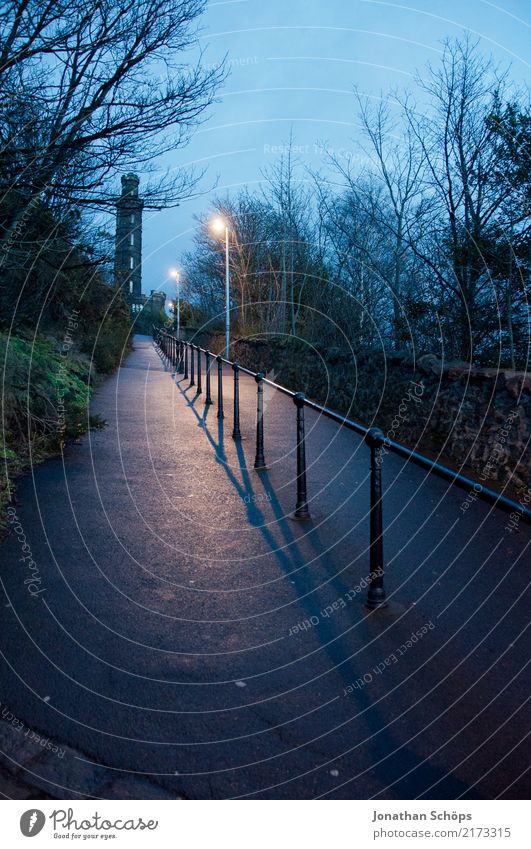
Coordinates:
[177,303]
[173,306]
[220,226]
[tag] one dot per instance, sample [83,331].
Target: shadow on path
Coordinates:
[393,761]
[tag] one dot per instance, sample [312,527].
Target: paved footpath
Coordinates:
[192,641]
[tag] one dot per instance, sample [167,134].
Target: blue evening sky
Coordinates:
[293,65]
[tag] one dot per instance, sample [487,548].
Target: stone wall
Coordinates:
[475,418]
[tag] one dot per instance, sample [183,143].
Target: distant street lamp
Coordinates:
[177,303]
[220,226]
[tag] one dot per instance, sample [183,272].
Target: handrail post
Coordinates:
[259,460]
[219,361]
[185,360]
[376,594]
[180,356]
[192,366]
[199,377]
[208,363]
[236,434]
[301,507]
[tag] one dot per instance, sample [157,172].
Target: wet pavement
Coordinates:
[190,640]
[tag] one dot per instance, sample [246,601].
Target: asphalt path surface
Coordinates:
[188,632]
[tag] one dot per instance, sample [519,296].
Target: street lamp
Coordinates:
[220,226]
[174,272]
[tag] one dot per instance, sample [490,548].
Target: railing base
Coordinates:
[300,517]
[376,600]
[391,610]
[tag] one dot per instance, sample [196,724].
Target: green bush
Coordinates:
[45,397]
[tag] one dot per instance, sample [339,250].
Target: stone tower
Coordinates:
[128,248]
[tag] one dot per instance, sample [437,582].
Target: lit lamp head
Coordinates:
[174,272]
[218,226]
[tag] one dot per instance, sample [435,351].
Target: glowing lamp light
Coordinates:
[218,225]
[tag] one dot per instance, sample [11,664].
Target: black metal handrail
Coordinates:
[180,351]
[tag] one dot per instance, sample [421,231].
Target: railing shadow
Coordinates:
[166,362]
[392,761]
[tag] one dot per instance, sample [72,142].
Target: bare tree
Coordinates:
[30,28]
[414,247]
[359,255]
[101,85]
[398,165]
[293,205]
[455,223]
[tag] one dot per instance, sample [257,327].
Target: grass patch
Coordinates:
[45,397]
